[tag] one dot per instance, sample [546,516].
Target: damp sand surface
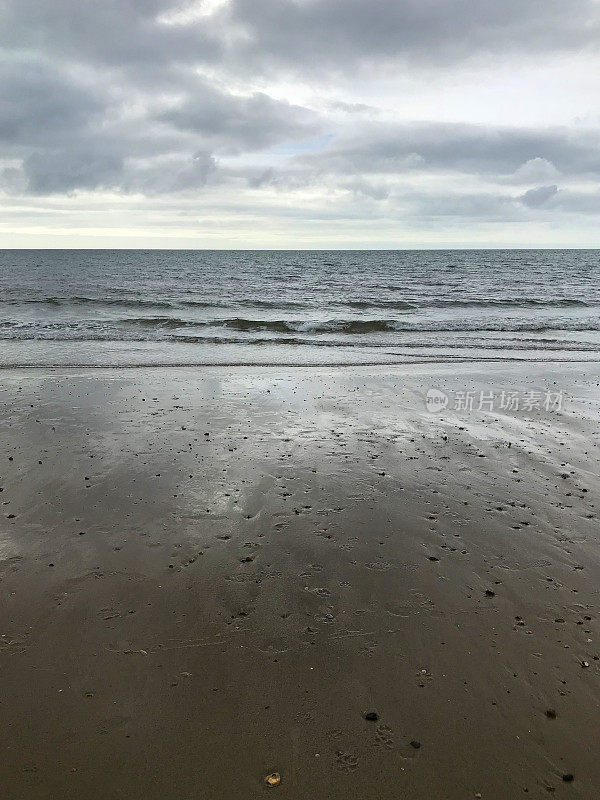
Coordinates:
[208,576]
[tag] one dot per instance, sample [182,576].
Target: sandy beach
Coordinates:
[208,576]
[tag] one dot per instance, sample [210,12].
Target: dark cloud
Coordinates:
[473,149]
[338,33]
[51,172]
[234,122]
[171,174]
[38,102]
[459,205]
[577,202]
[72,132]
[306,35]
[117,33]
[535,198]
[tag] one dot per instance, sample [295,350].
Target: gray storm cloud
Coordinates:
[337,33]
[538,197]
[247,103]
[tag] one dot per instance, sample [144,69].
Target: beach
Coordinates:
[210,575]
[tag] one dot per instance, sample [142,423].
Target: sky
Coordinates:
[299,123]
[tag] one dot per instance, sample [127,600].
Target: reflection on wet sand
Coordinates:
[302,573]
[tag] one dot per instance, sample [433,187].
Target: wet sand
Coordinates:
[210,575]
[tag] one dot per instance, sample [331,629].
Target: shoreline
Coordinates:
[448,362]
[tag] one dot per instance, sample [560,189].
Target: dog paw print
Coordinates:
[346,762]
[384,737]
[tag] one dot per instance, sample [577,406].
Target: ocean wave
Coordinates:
[275,325]
[466,343]
[382,329]
[392,348]
[77,300]
[415,304]
[153,322]
[509,302]
[399,305]
[376,326]
[506,302]
[348,326]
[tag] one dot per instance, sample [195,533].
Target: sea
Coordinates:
[201,307]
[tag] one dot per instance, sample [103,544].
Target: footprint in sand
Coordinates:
[346,762]
[367,649]
[398,609]
[384,737]
[240,578]
[379,566]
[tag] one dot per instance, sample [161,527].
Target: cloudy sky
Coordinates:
[299,123]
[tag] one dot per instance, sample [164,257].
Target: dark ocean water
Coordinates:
[294,307]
